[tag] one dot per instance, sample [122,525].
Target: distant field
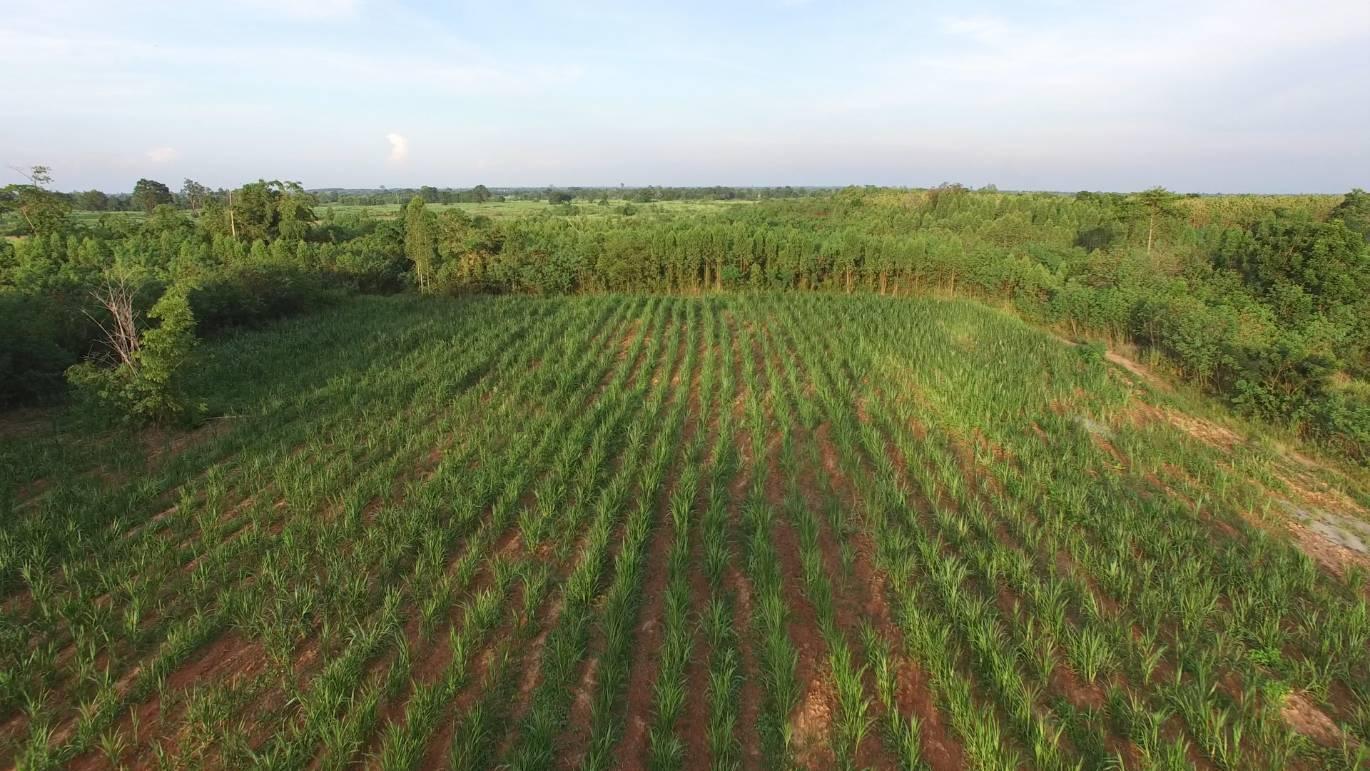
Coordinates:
[510,209]
[489,209]
[752,531]
[91,217]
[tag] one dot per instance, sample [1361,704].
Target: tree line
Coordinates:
[1262,300]
[148,194]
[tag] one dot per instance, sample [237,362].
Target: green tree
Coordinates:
[166,349]
[149,194]
[92,200]
[253,212]
[480,194]
[42,210]
[265,210]
[195,194]
[165,218]
[1354,211]
[1328,261]
[294,211]
[420,242]
[1156,203]
[144,385]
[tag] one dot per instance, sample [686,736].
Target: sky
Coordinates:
[1194,95]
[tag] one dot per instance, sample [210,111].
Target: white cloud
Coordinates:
[163,154]
[399,147]
[1174,62]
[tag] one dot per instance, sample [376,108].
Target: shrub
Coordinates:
[1095,238]
[249,295]
[32,356]
[1092,352]
[147,387]
[1343,421]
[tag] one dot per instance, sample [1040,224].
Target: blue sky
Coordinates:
[1204,95]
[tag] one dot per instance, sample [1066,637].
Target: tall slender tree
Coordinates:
[420,241]
[1156,203]
[195,194]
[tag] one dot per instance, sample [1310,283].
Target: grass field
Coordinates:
[738,532]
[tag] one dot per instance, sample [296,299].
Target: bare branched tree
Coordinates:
[121,336]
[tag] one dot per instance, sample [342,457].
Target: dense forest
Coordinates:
[1261,300]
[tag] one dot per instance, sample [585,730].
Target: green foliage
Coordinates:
[249,295]
[167,346]
[264,210]
[1092,352]
[91,200]
[1261,300]
[1096,237]
[195,194]
[1328,261]
[1342,420]
[612,528]
[420,242]
[1354,212]
[41,212]
[1157,201]
[32,356]
[149,388]
[148,194]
